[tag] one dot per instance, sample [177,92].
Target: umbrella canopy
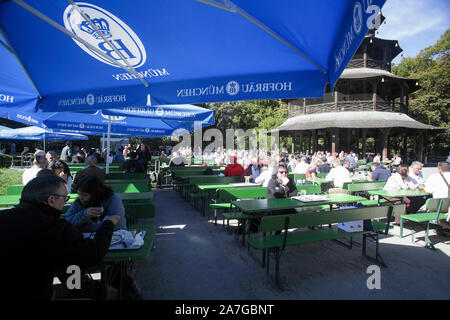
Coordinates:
[105,54]
[97,124]
[35,133]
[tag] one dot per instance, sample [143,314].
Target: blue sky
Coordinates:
[416,24]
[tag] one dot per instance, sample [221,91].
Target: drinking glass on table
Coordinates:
[302,193]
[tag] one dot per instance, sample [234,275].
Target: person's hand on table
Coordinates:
[113,219]
[93,212]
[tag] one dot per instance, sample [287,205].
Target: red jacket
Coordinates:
[234,170]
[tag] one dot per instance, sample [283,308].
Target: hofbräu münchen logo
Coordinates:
[120,35]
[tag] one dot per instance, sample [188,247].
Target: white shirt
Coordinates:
[178,160]
[395,182]
[437,186]
[301,168]
[29,174]
[377,159]
[264,177]
[416,179]
[339,175]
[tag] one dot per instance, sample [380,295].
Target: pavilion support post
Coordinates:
[314,141]
[293,143]
[334,140]
[405,147]
[374,96]
[301,142]
[420,146]
[364,141]
[385,141]
[309,142]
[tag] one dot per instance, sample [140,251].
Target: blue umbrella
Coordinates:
[35,133]
[106,54]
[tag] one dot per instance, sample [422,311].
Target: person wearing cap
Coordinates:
[253,171]
[40,245]
[39,163]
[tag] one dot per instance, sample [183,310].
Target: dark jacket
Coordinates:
[132,166]
[276,190]
[38,244]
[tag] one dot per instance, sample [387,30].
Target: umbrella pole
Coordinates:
[44,142]
[108,144]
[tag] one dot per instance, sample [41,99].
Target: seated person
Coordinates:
[177,160]
[438,184]
[234,169]
[267,173]
[280,185]
[95,202]
[51,244]
[323,167]
[253,171]
[39,163]
[132,165]
[61,169]
[339,174]
[79,157]
[401,180]
[379,172]
[118,157]
[90,170]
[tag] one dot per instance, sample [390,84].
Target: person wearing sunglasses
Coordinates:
[280,185]
[38,245]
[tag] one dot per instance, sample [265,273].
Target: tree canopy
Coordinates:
[430,104]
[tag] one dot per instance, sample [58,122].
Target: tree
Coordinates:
[430,104]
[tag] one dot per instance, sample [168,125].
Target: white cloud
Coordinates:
[412,17]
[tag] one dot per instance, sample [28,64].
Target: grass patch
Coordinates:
[9,177]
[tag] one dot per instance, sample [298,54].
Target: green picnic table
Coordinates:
[124,257]
[8,201]
[265,205]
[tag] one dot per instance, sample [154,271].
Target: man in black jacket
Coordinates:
[38,244]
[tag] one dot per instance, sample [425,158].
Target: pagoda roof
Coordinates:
[353,120]
[367,73]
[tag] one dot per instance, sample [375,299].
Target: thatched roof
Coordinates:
[353,120]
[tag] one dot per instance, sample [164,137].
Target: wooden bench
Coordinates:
[276,243]
[436,210]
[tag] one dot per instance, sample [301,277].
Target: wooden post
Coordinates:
[385,137]
[374,96]
[335,140]
[364,140]
[420,146]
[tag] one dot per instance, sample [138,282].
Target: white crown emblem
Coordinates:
[232,88]
[102,26]
[357,18]
[90,99]
[119,35]
[159,112]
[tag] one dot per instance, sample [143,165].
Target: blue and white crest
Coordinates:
[109,27]
[357,17]
[232,88]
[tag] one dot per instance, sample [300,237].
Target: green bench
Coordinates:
[363,187]
[228,195]
[276,243]
[436,210]
[15,189]
[140,210]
